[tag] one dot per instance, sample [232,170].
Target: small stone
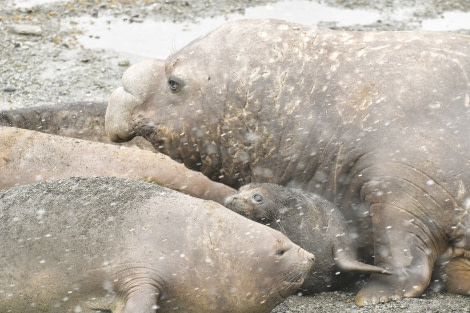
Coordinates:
[124,62]
[26,29]
[9,89]
[135,20]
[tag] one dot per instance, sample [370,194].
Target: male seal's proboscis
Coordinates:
[310,221]
[123,246]
[376,122]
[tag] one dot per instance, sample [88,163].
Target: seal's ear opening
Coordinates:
[346,261]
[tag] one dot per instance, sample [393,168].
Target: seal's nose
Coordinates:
[310,256]
[228,200]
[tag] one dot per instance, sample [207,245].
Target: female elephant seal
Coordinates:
[310,221]
[375,122]
[28,156]
[116,245]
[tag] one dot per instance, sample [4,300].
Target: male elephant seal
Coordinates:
[310,221]
[115,245]
[376,122]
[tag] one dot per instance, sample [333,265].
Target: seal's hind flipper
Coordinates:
[347,262]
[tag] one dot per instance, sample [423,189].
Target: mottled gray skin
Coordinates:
[310,221]
[376,122]
[121,246]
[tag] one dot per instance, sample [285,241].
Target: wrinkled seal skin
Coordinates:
[29,156]
[310,221]
[115,245]
[375,122]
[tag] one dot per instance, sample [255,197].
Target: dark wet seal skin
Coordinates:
[310,221]
[375,122]
[124,246]
[82,120]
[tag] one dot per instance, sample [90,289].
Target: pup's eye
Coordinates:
[280,252]
[258,198]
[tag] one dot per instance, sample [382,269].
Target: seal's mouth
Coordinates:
[232,202]
[237,204]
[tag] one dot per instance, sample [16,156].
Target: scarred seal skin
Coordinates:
[310,221]
[375,122]
[122,246]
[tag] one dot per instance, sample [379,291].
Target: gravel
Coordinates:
[42,61]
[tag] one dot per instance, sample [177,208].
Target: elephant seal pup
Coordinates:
[28,156]
[122,246]
[310,221]
[375,122]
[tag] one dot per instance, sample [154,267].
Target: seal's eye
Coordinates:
[258,198]
[280,253]
[174,85]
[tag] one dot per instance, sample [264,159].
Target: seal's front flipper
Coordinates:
[344,248]
[409,252]
[456,275]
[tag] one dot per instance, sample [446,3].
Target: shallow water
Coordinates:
[450,21]
[158,39]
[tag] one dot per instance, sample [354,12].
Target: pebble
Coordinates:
[26,29]
[124,62]
[9,89]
